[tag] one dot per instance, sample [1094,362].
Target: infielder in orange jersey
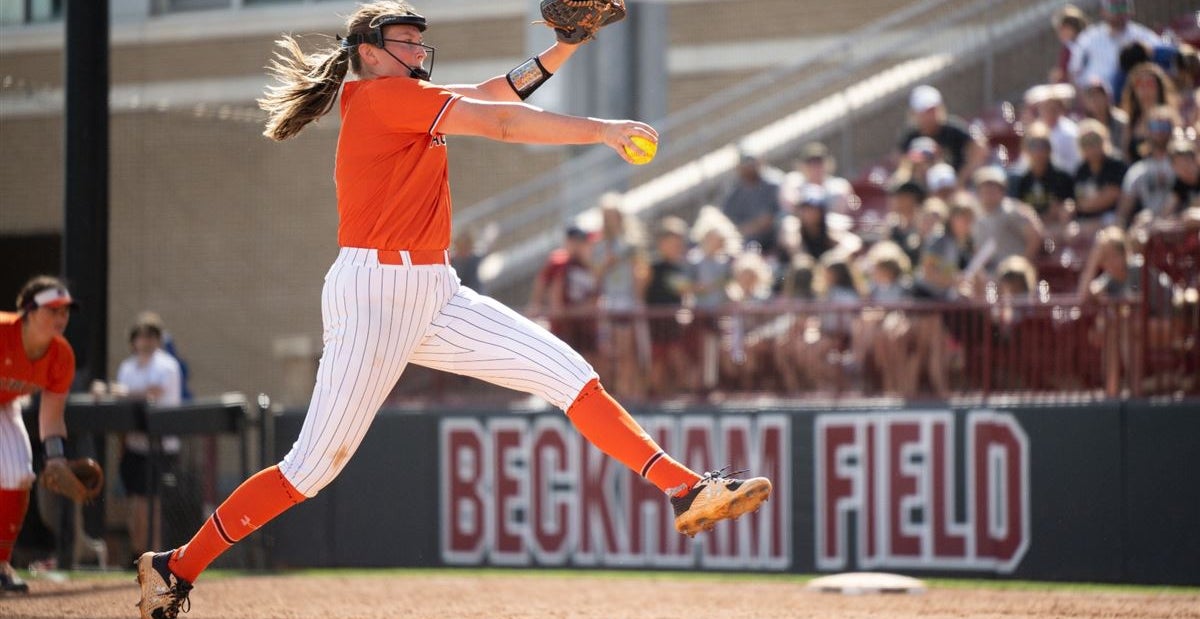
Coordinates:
[33,356]
[391,298]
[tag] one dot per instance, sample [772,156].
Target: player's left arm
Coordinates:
[52,415]
[500,88]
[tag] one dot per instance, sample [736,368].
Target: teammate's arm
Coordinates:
[498,88]
[522,123]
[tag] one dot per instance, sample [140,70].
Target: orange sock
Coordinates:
[604,423]
[259,499]
[13,504]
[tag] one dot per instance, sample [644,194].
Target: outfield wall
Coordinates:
[1103,492]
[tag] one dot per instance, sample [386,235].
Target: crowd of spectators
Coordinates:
[1105,151]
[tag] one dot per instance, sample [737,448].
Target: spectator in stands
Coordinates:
[709,272]
[151,374]
[1068,23]
[1113,273]
[1187,78]
[753,204]
[1186,190]
[923,154]
[1098,179]
[904,209]
[750,350]
[887,340]
[802,350]
[941,182]
[1052,101]
[1098,104]
[1148,183]
[816,167]
[1005,227]
[930,118]
[618,260]
[809,231]
[465,261]
[1042,185]
[946,256]
[1098,48]
[567,290]
[664,291]
[1148,87]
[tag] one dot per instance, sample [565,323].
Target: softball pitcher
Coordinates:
[391,298]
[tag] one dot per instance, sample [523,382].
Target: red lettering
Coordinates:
[840,490]
[507,488]
[464,461]
[902,486]
[999,490]
[595,509]
[550,505]
[945,543]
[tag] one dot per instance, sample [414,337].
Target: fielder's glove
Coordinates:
[80,479]
[576,21]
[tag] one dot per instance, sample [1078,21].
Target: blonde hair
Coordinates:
[711,219]
[310,83]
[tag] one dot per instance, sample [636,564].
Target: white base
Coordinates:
[864,583]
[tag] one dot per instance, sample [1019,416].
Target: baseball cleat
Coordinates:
[10,582]
[718,497]
[163,593]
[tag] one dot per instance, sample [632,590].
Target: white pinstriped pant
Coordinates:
[378,318]
[16,455]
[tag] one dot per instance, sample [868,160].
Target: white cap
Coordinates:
[924,97]
[941,176]
[1049,92]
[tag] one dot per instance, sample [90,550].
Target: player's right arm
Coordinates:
[522,123]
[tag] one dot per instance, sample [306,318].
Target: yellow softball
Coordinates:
[646,145]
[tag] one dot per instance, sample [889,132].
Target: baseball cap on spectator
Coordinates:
[923,146]
[990,174]
[910,188]
[672,226]
[941,177]
[813,151]
[1117,7]
[1049,92]
[575,232]
[924,97]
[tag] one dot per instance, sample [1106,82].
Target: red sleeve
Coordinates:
[406,105]
[62,368]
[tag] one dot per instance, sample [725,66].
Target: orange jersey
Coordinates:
[19,376]
[393,181]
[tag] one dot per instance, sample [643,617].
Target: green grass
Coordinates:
[799,579]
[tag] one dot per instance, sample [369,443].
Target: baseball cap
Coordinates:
[1117,7]
[54,297]
[1049,92]
[924,97]
[910,188]
[990,174]
[940,177]
[923,145]
[814,150]
[575,232]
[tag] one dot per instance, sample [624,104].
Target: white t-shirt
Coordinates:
[162,370]
[1098,50]
[1064,145]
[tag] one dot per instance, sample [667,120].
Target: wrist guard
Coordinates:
[528,77]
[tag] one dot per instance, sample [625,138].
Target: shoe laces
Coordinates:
[179,599]
[721,477]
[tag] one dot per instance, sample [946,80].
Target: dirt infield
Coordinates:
[500,595]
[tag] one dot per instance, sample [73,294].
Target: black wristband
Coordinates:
[528,77]
[55,447]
